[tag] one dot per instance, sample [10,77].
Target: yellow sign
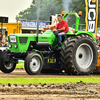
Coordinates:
[93,0]
[51,60]
[91,16]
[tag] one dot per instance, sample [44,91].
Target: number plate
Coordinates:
[51,60]
[13,39]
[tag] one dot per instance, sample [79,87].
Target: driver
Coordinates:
[61,27]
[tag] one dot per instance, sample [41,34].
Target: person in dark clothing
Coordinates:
[0,37]
[98,42]
[5,39]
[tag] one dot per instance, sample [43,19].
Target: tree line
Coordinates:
[52,7]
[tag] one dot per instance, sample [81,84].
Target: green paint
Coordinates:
[23,40]
[23,47]
[77,18]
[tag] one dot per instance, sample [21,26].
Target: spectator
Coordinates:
[35,32]
[31,32]
[5,39]
[98,42]
[0,37]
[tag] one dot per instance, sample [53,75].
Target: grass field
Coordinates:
[20,65]
[47,80]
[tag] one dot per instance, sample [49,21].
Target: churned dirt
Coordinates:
[70,91]
[74,91]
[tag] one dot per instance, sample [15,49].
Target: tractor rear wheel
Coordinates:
[79,55]
[33,64]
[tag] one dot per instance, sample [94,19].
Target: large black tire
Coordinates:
[7,68]
[33,64]
[79,55]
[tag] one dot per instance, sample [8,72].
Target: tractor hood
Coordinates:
[21,42]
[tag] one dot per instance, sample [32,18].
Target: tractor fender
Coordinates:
[34,50]
[81,32]
[85,32]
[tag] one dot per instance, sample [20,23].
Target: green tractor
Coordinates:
[77,55]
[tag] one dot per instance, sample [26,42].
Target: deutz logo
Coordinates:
[91,16]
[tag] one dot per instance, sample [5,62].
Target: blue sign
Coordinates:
[33,24]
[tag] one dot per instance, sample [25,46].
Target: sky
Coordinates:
[11,8]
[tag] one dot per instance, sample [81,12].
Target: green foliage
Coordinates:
[79,5]
[52,7]
[20,65]
[47,8]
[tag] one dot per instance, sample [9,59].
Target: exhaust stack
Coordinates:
[38,13]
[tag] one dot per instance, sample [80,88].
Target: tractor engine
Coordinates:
[26,42]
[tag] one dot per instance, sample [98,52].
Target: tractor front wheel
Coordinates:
[7,67]
[33,64]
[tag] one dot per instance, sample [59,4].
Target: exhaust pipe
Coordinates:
[38,13]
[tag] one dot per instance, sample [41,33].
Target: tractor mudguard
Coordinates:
[85,32]
[80,32]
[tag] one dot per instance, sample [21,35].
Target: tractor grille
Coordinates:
[23,39]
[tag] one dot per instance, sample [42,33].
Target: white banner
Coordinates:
[33,24]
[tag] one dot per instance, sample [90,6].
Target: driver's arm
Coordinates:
[62,29]
[50,26]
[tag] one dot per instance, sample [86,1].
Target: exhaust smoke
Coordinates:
[66,5]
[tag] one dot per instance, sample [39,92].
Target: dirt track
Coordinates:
[22,73]
[74,91]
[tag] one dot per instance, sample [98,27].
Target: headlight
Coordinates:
[15,46]
[10,45]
